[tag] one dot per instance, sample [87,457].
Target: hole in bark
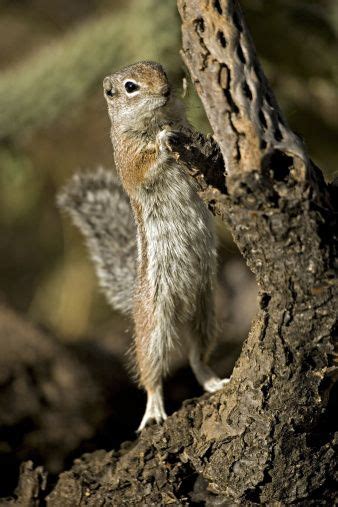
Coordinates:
[263,144]
[172,458]
[268,99]
[279,164]
[253,495]
[221,39]
[237,22]
[238,153]
[262,119]
[278,134]
[208,453]
[211,205]
[266,390]
[257,70]
[264,300]
[246,90]
[288,356]
[199,23]
[217,6]
[312,361]
[240,54]
[233,106]
[185,481]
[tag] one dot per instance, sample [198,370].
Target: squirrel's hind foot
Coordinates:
[205,375]
[155,411]
[215,384]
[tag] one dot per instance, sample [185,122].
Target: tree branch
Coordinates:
[241,108]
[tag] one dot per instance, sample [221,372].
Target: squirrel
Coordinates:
[176,241]
[169,289]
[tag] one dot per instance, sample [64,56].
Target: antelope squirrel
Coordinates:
[176,246]
[159,266]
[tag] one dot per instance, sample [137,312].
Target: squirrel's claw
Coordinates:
[154,411]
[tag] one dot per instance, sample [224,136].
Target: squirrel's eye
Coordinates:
[131,87]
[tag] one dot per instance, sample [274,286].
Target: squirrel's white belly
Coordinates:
[180,243]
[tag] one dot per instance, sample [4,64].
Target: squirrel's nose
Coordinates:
[108,87]
[166,91]
[107,83]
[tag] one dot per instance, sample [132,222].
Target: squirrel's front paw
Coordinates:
[166,141]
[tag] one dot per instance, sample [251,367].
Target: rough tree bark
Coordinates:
[269,435]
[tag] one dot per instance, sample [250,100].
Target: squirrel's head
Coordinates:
[135,92]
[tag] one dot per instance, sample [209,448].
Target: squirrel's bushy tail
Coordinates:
[101,210]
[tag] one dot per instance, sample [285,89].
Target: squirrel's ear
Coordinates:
[108,87]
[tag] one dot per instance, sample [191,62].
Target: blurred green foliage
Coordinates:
[297,40]
[53,57]
[64,72]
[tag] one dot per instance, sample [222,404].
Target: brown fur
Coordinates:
[132,164]
[176,239]
[142,313]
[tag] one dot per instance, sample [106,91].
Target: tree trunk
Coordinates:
[268,436]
